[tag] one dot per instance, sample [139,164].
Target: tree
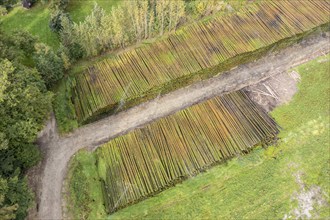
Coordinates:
[64,54]
[23,107]
[8,3]
[23,40]
[119,27]
[7,212]
[140,18]
[50,66]
[176,12]
[56,18]
[19,195]
[68,40]
[89,34]
[161,11]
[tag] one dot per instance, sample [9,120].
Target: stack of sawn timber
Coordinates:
[149,160]
[205,48]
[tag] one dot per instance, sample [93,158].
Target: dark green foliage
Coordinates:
[9,47]
[6,211]
[23,40]
[8,3]
[76,51]
[18,47]
[24,105]
[19,193]
[55,22]
[23,108]
[49,64]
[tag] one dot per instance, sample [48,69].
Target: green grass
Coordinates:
[34,20]
[85,188]
[79,9]
[259,185]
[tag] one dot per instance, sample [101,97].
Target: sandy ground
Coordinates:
[275,90]
[47,178]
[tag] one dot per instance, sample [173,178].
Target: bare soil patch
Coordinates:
[274,91]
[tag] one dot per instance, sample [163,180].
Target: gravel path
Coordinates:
[58,150]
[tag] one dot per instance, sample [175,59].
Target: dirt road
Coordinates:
[58,150]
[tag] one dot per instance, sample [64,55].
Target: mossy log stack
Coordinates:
[148,160]
[193,53]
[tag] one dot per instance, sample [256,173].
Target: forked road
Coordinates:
[58,150]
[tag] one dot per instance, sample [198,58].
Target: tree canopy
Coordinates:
[24,106]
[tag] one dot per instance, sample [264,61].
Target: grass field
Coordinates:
[259,185]
[79,9]
[34,20]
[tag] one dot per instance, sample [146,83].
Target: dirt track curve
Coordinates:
[58,150]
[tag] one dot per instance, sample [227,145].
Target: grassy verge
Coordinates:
[85,188]
[34,20]
[260,185]
[64,109]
